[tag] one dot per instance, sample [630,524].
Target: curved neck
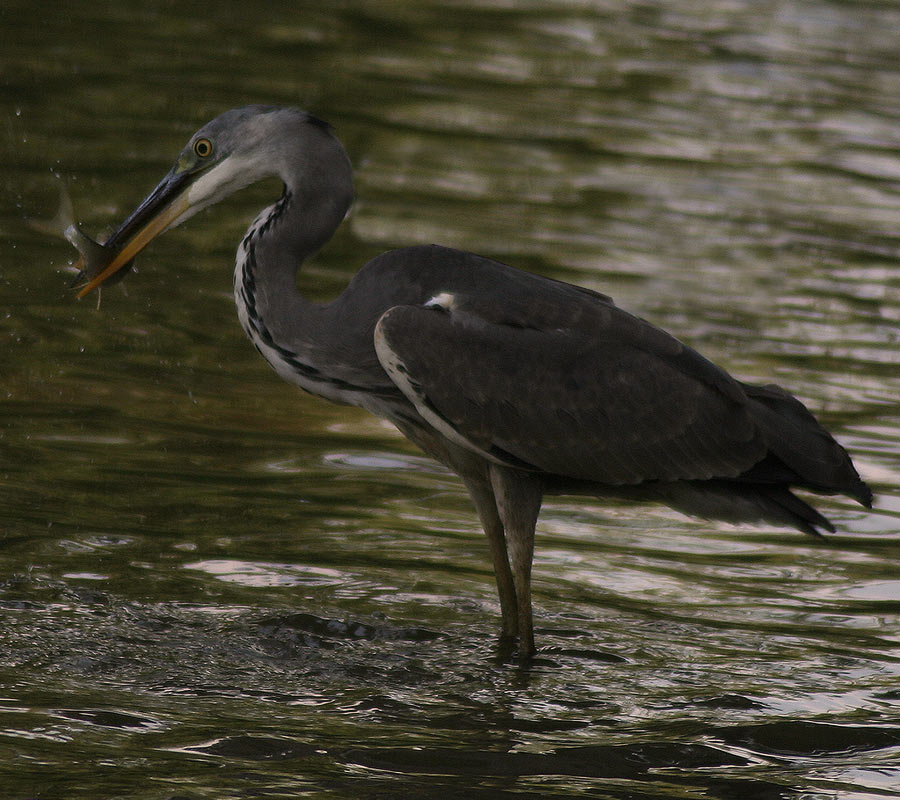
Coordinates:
[271,309]
[286,328]
[318,190]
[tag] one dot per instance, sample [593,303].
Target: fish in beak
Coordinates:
[163,208]
[95,256]
[203,174]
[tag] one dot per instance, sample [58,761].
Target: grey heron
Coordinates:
[522,385]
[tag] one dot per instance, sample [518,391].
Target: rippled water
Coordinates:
[214,586]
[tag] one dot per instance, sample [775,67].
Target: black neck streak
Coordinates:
[259,332]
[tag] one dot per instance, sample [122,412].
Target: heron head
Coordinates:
[232,151]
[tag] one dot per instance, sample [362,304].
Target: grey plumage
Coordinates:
[523,385]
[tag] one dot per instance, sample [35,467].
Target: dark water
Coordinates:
[213,586]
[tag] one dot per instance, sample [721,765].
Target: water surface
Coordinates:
[213,586]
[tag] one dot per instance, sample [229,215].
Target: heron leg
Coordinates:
[485,504]
[508,502]
[518,497]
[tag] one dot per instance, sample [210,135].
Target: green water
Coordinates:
[214,586]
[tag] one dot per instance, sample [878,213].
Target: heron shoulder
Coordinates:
[433,275]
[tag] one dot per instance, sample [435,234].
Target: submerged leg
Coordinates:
[486,506]
[518,498]
[508,502]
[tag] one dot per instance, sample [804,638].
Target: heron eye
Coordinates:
[203,148]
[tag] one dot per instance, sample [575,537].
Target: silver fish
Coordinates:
[95,256]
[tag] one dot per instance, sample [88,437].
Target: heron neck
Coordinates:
[284,326]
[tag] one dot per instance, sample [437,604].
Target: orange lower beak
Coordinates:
[162,209]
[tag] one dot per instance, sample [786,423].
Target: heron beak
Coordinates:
[160,210]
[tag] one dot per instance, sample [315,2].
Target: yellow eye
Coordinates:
[203,148]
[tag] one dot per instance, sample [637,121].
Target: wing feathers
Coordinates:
[545,376]
[602,409]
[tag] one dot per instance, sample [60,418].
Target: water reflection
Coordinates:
[214,586]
